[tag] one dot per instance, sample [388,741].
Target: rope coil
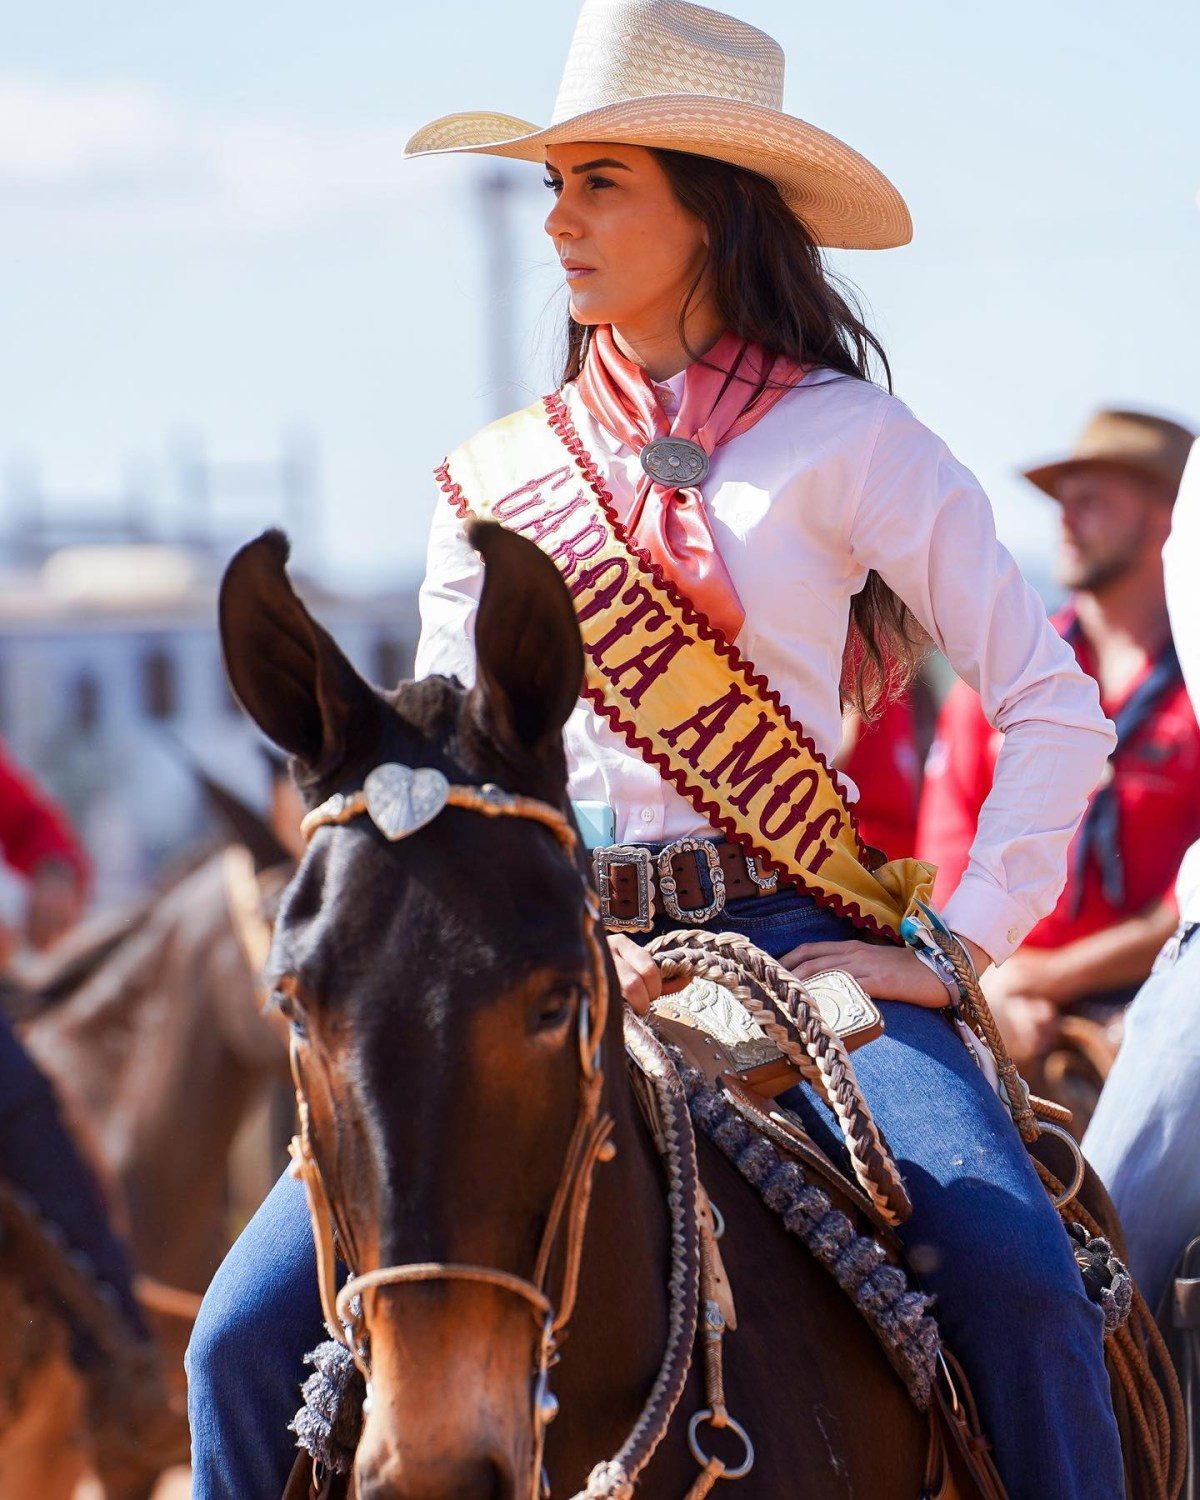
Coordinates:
[1143,1377]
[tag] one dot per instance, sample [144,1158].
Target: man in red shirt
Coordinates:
[1115,494]
[38,842]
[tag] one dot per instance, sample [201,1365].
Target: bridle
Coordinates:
[399,801]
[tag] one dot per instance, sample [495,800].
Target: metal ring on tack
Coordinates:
[718,1219]
[705,1414]
[1048,1127]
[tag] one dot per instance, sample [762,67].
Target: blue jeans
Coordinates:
[1143,1136]
[1010,1298]
[38,1157]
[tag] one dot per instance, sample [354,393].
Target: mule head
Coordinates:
[433,986]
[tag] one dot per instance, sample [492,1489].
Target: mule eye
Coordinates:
[556,1007]
[283,999]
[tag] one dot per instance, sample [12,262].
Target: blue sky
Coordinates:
[205,223]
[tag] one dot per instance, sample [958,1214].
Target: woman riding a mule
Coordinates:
[753,533]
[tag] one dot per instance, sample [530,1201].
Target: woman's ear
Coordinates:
[287,672]
[527,645]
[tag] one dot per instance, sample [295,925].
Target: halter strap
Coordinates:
[490,800]
[399,801]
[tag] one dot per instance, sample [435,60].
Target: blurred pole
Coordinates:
[192,486]
[298,481]
[495,192]
[24,510]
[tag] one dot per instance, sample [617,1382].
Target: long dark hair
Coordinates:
[772,286]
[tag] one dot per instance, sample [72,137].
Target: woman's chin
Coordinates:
[588,309]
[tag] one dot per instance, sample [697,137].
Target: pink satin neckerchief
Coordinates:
[672,525]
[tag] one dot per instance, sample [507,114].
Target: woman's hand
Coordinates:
[885,972]
[637,973]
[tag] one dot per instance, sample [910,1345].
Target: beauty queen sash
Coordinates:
[670,685]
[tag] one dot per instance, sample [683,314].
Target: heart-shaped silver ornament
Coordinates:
[401,800]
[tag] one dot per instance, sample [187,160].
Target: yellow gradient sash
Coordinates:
[675,690]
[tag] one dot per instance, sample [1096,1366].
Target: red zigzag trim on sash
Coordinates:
[560,421]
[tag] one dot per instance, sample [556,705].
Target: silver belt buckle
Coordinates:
[668,885]
[763,882]
[603,860]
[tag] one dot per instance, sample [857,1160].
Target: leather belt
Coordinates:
[635,883]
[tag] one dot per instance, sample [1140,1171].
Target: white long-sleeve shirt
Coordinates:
[1180,558]
[838,478]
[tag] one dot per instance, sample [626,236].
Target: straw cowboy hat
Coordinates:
[677,76]
[1136,441]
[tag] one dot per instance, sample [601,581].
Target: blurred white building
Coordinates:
[112,688]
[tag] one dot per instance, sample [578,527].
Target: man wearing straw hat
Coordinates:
[1115,494]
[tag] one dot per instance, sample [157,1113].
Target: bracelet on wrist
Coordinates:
[942,967]
[918,934]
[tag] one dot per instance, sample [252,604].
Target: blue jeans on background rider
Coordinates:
[1010,1298]
[38,1157]
[1143,1136]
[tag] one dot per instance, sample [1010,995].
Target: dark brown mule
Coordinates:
[153,1036]
[433,987]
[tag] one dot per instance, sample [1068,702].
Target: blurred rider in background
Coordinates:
[38,1158]
[1142,1139]
[1115,494]
[39,843]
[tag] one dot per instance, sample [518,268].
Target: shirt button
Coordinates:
[647,815]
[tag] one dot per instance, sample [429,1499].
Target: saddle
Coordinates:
[1074,1070]
[714,1034]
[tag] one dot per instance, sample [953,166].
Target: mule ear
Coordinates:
[287,671]
[528,650]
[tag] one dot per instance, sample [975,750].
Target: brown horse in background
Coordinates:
[158,1050]
[45,1447]
[434,987]
[150,1027]
[61,1421]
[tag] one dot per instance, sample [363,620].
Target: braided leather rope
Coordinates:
[615,1478]
[768,993]
[982,1022]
